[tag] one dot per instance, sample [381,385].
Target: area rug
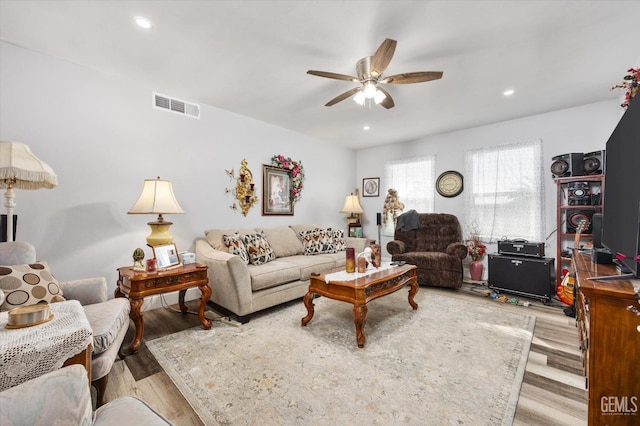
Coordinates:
[451,362]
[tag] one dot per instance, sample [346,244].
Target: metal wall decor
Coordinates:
[244,191]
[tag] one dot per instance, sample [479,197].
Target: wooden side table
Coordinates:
[137,285]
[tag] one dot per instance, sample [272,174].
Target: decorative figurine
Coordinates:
[138,256]
[392,205]
[366,255]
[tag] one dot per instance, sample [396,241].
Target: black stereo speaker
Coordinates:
[579,194]
[597,230]
[593,163]
[575,218]
[566,165]
[526,276]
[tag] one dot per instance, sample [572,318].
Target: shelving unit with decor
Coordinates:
[572,208]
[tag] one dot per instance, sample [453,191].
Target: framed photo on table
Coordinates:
[166,256]
[276,191]
[355,230]
[371,187]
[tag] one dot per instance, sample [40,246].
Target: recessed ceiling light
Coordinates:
[142,22]
[366,128]
[508,92]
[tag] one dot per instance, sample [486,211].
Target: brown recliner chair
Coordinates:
[434,245]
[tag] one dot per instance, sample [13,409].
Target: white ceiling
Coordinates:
[251,57]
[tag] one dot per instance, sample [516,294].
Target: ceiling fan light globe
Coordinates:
[379,96]
[369,90]
[359,98]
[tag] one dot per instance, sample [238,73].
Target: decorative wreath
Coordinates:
[297,174]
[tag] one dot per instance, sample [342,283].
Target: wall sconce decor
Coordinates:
[244,191]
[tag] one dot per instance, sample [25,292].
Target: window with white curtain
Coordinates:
[414,180]
[504,189]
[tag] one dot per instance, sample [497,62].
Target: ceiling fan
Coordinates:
[369,71]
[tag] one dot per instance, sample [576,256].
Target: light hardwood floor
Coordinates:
[552,392]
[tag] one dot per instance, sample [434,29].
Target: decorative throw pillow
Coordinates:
[258,247]
[235,245]
[28,284]
[317,241]
[339,243]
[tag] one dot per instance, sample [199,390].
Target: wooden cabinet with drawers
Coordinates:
[610,342]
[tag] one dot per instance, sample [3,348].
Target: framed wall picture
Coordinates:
[276,191]
[371,187]
[166,256]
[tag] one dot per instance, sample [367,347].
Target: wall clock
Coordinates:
[449,184]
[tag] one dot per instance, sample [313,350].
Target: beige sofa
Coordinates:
[243,289]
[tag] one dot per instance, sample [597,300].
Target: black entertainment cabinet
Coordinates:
[532,277]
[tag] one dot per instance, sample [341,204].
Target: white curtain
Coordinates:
[414,180]
[504,189]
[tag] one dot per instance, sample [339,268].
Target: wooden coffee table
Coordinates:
[361,290]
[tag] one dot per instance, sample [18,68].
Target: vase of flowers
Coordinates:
[476,250]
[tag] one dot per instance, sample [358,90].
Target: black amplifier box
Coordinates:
[521,248]
[523,276]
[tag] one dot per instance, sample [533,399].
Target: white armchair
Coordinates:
[63,397]
[109,318]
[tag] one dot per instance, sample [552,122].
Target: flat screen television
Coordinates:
[621,198]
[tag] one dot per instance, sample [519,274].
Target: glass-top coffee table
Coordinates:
[358,289]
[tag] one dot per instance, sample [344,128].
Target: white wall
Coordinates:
[581,129]
[102,137]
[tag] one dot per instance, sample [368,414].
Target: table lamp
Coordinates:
[157,198]
[19,168]
[352,207]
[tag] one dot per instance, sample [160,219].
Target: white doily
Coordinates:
[30,352]
[350,276]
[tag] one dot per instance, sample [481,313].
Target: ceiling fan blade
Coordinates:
[387,102]
[382,57]
[333,75]
[343,96]
[412,77]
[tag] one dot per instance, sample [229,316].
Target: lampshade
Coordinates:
[19,168]
[352,205]
[157,198]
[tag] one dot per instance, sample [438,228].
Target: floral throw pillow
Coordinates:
[259,249]
[235,245]
[339,243]
[28,284]
[317,241]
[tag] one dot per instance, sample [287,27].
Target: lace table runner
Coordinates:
[30,352]
[350,276]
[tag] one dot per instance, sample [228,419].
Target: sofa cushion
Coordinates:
[317,241]
[314,264]
[259,249]
[283,241]
[28,284]
[339,258]
[273,274]
[214,236]
[235,245]
[339,243]
[106,320]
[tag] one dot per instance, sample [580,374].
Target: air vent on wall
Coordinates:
[178,106]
